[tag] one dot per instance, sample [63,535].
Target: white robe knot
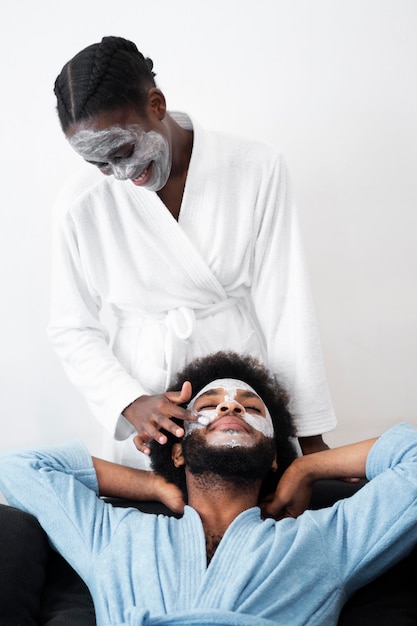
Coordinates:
[180,325]
[181,322]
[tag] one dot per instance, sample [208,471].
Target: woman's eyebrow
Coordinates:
[120,146]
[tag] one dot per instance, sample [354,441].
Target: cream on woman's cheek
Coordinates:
[259,422]
[147,147]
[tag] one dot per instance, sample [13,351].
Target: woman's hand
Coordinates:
[148,414]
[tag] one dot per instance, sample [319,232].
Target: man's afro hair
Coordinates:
[204,370]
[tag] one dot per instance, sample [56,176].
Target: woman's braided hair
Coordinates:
[103,77]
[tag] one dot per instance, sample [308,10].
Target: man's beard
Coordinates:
[239,465]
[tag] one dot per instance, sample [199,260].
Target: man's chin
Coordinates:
[234,462]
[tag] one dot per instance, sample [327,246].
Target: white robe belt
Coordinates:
[180,321]
[180,325]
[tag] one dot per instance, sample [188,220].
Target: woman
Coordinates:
[192,240]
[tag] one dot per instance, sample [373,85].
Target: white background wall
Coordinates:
[332,83]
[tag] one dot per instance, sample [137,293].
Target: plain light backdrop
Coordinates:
[332,83]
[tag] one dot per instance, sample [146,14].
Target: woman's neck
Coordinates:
[182,144]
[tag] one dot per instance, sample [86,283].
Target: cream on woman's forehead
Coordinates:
[231,386]
[95,145]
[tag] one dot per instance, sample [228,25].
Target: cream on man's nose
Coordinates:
[230,406]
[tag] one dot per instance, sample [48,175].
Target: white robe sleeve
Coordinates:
[80,339]
[283,304]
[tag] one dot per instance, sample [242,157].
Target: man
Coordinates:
[221,562]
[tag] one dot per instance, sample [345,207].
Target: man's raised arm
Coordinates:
[292,496]
[120,481]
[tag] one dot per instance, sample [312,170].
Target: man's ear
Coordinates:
[274,466]
[157,103]
[176,455]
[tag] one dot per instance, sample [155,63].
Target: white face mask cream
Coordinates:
[228,390]
[128,153]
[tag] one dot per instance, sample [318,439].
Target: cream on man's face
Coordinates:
[127,153]
[230,410]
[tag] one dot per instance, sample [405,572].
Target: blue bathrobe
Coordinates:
[148,570]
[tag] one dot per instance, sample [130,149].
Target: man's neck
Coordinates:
[218,502]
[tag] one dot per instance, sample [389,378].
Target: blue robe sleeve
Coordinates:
[366,534]
[58,485]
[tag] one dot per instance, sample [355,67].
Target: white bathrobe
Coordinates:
[230,274]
